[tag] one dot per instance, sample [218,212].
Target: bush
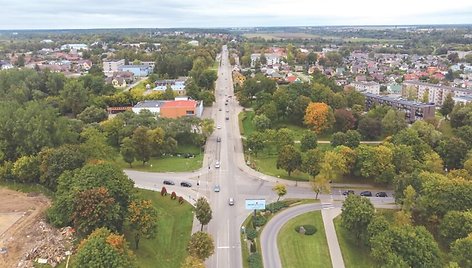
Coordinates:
[277,206]
[309,229]
[251,233]
[255,260]
[181,200]
[163,191]
[259,220]
[173,196]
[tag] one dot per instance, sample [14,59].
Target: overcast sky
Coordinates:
[84,14]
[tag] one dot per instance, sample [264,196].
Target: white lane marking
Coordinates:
[223,247]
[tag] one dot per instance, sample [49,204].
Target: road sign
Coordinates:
[253,204]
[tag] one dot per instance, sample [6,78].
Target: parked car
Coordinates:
[169,182]
[218,139]
[348,192]
[216,188]
[366,193]
[217,164]
[185,184]
[231,201]
[381,194]
[227,118]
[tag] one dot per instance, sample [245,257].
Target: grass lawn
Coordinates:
[297,250]
[268,165]
[174,228]
[168,163]
[245,123]
[355,254]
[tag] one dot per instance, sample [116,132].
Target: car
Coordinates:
[185,184]
[227,118]
[216,189]
[226,103]
[366,193]
[219,109]
[169,182]
[218,139]
[231,201]
[381,194]
[348,192]
[217,164]
[218,127]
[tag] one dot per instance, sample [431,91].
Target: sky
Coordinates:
[88,14]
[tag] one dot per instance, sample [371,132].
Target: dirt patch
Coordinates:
[24,234]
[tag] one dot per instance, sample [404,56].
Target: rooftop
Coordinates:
[399,100]
[150,104]
[181,104]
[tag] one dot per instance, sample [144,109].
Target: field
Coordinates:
[174,226]
[268,36]
[297,250]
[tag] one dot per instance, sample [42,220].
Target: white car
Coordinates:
[218,127]
[217,164]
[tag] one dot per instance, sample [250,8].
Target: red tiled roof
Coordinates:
[180,104]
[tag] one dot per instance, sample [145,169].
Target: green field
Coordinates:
[168,163]
[355,254]
[174,227]
[297,250]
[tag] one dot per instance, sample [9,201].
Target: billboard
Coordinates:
[253,204]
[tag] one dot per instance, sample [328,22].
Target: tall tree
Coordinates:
[203,212]
[142,144]
[26,169]
[448,105]
[308,141]
[289,159]
[255,142]
[280,189]
[127,151]
[393,122]
[461,251]
[455,225]
[142,217]
[104,249]
[343,120]
[201,245]
[357,212]
[311,162]
[318,116]
[453,152]
[95,208]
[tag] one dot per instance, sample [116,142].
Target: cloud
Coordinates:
[60,14]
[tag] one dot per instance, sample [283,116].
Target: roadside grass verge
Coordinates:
[298,250]
[174,227]
[355,254]
[173,163]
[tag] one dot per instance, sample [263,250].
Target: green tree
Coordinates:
[311,162]
[261,122]
[192,262]
[353,139]
[370,128]
[168,93]
[142,144]
[127,151]
[255,142]
[95,145]
[95,208]
[455,225]
[338,138]
[104,249]
[142,217]
[201,245]
[75,96]
[280,189]
[453,152]
[26,169]
[357,213]
[203,212]
[289,159]
[461,251]
[283,137]
[448,106]
[92,114]
[375,162]
[308,141]
[393,122]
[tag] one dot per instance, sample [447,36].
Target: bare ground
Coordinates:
[24,233]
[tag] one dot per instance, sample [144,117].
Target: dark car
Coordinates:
[348,192]
[185,184]
[227,118]
[381,194]
[168,182]
[366,193]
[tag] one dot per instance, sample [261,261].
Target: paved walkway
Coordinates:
[333,245]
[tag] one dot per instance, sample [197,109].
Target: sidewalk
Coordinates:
[333,245]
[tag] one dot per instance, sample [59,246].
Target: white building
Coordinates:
[74,46]
[271,58]
[436,93]
[367,87]
[154,106]
[109,67]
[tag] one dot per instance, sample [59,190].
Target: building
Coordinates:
[181,106]
[367,87]
[177,85]
[154,106]
[74,46]
[271,59]
[138,70]
[462,100]
[109,67]
[413,110]
[436,93]
[193,43]
[178,108]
